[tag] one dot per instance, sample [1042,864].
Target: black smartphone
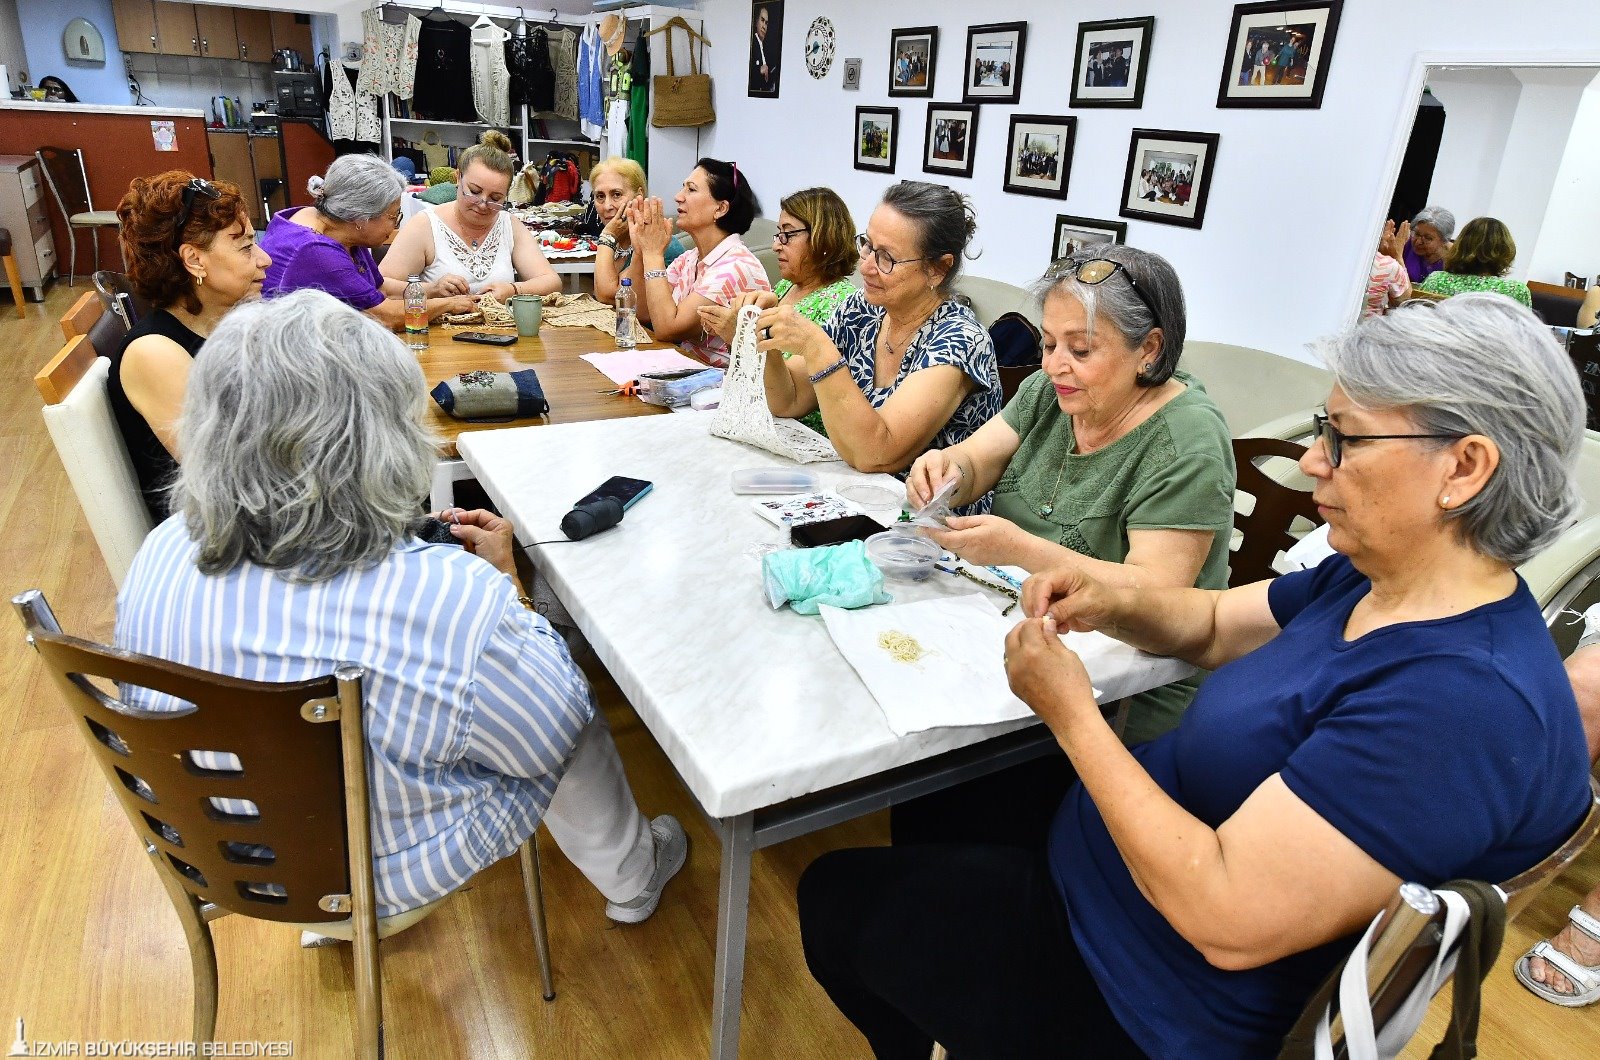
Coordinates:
[834,531]
[486,337]
[626,491]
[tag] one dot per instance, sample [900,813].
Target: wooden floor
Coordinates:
[93,950]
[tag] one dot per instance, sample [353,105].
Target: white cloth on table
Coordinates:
[488,262]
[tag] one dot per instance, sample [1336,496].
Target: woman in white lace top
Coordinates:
[471,245]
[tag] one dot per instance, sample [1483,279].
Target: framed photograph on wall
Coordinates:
[994,63]
[1075,233]
[1278,54]
[951,139]
[1112,60]
[912,54]
[1039,154]
[1169,176]
[877,138]
[766,46]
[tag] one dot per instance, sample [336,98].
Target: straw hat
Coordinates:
[613,32]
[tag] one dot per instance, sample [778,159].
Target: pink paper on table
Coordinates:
[624,366]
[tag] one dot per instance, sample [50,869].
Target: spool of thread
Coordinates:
[586,520]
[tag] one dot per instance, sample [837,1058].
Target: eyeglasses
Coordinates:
[783,235]
[196,186]
[1095,271]
[483,200]
[1333,439]
[881,258]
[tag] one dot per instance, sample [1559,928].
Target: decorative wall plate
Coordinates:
[819,46]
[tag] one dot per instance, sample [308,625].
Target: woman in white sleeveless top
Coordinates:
[471,245]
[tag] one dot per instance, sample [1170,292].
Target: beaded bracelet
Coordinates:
[834,367]
[655,274]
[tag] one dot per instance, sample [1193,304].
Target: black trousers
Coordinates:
[963,944]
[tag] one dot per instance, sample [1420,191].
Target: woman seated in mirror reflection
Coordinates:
[1478,261]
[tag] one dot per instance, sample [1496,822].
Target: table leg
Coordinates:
[737,835]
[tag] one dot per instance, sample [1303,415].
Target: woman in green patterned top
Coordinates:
[1477,261]
[1108,457]
[816,248]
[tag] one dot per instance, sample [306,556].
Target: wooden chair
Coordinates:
[299,853]
[81,317]
[13,273]
[1011,380]
[1264,530]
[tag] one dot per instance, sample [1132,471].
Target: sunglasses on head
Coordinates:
[196,186]
[1095,271]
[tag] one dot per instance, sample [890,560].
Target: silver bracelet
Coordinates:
[655,274]
[608,241]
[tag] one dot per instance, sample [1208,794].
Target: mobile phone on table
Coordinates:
[486,337]
[626,491]
[834,531]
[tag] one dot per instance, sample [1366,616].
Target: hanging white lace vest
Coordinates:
[743,415]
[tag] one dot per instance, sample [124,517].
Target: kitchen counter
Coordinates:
[99,108]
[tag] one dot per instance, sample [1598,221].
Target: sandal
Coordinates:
[1585,979]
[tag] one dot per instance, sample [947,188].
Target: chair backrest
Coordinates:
[107,333]
[1264,526]
[759,240]
[81,317]
[1556,304]
[1252,386]
[67,177]
[1521,889]
[278,848]
[117,295]
[1011,380]
[1564,568]
[992,299]
[78,415]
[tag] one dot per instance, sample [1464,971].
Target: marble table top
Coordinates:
[753,706]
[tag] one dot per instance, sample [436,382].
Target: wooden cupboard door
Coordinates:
[176,31]
[136,25]
[218,38]
[290,30]
[255,34]
[231,161]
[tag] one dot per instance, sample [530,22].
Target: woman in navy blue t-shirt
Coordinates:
[1398,713]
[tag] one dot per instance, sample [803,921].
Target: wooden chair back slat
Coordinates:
[1264,530]
[81,317]
[62,372]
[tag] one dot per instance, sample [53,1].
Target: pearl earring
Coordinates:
[1444,502]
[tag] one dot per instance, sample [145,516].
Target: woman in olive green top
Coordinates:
[1106,457]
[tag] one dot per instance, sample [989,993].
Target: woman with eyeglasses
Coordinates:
[328,245]
[470,245]
[191,253]
[1397,713]
[716,206]
[901,365]
[617,181]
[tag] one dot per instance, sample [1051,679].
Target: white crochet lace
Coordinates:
[743,415]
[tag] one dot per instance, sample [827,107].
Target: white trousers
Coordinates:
[595,821]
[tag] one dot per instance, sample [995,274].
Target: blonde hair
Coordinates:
[627,170]
[493,150]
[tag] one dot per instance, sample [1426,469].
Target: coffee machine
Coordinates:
[298,94]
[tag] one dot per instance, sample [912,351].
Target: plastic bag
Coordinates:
[937,510]
[836,575]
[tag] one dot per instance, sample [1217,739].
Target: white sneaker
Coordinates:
[672,850]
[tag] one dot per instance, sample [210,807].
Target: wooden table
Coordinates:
[572,386]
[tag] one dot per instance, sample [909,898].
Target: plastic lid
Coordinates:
[413,279]
[774,480]
[627,282]
[903,553]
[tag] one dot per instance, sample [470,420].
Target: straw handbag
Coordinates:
[681,100]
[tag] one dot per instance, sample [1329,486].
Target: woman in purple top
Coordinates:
[1398,713]
[327,246]
[1422,243]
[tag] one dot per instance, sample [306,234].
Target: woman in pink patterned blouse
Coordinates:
[715,208]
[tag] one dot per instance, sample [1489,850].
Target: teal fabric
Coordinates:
[836,575]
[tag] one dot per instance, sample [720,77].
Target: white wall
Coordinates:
[1478,107]
[1538,138]
[1296,194]
[1570,238]
[42,23]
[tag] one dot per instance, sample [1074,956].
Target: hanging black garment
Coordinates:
[533,76]
[443,90]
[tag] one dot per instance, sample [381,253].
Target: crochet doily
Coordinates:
[743,415]
[491,313]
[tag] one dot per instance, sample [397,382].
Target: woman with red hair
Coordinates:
[191,252]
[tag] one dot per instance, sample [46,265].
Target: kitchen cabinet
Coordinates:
[176,32]
[136,25]
[290,30]
[255,34]
[218,38]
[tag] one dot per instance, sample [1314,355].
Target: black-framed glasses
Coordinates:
[783,235]
[1095,271]
[881,258]
[196,186]
[1333,439]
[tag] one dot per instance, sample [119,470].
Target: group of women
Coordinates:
[1176,890]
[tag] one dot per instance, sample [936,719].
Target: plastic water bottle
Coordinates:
[627,317]
[416,314]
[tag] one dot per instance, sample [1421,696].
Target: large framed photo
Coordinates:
[877,138]
[1112,60]
[951,139]
[766,46]
[1278,54]
[1039,154]
[1073,234]
[912,53]
[1169,176]
[994,63]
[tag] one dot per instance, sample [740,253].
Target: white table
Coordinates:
[766,723]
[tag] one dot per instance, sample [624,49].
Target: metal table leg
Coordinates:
[737,835]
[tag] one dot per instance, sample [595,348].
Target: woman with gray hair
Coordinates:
[921,370]
[297,505]
[1397,713]
[1420,243]
[328,246]
[1109,458]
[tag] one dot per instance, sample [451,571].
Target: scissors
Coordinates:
[628,389]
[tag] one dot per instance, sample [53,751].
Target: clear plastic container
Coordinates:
[775,480]
[903,553]
[875,499]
